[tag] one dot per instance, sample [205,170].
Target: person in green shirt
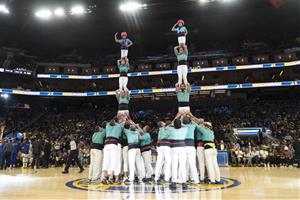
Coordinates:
[123,65]
[181,53]
[145,147]
[112,152]
[210,152]
[134,154]
[96,153]
[163,153]
[123,98]
[183,97]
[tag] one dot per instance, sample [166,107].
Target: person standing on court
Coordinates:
[145,147]
[181,31]
[181,53]
[124,42]
[190,148]
[200,148]
[96,153]
[177,138]
[73,155]
[134,153]
[112,152]
[25,146]
[8,148]
[14,153]
[2,127]
[36,152]
[210,152]
[47,151]
[163,154]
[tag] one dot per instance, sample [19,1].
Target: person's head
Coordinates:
[127,125]
[113,122]
[98,128]
[146,129]
[122,93]
[182,87]
[103,125]
[186,120]
[132,127]
[123,61]
[208,125]
[161,124]
[180,22]
[181,49]
[124,35]
[26,139]
[177,123]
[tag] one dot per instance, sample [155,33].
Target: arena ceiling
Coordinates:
[215,25]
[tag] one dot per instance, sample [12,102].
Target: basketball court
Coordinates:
[238,183]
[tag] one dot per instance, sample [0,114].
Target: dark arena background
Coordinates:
[149,99]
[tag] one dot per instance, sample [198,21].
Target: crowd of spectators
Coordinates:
[52,129]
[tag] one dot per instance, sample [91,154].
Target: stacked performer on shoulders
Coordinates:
[124,42]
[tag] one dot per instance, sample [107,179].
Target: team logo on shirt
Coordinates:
[82,184]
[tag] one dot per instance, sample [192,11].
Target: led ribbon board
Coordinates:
[168,72]
[151,91]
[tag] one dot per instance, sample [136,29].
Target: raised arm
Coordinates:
[174,27]
[116,38]
[2,131]
[188,87]
[119,62]
[117,94]
[186,51]
[127,94]
[176,50]
[177,87]
[195,119]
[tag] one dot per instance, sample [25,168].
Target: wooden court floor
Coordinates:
[238,183]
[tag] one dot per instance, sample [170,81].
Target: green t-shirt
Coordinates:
[181,56]
[206,133]
[124,99]
[123,68]
[98,137]
[183,96]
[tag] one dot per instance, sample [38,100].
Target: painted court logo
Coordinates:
[82,184]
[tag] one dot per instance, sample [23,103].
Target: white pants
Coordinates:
[25,159]
[191,163]
[124,53]
[123,112]
[119,160]
[182,71]
[163,156]
[123,80]
[111,158]
[178,164]
[184,109]
[147,161]
[212,164]
[134,159]
[95,164]
[125,158]
[181,40]
[201,162]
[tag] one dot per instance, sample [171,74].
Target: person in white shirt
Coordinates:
[263,156]
[239,156]
[73,154]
